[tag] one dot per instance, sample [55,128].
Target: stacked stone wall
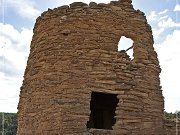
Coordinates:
[172,127]
[74,51]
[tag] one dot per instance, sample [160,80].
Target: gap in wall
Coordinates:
[103,107]
[127,45]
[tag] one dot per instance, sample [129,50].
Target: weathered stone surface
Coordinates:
[172,127]
[77,4]
[92,4]
[74,51]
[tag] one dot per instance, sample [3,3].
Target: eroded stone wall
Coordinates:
[74,51]
[172,127]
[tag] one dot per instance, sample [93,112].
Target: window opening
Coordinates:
[127,45]
[103,107]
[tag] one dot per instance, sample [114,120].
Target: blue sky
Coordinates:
[17,18]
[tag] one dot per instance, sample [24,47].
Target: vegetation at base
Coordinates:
[171,115]
[10,123]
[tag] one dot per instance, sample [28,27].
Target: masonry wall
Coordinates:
[172,127]
[74,51]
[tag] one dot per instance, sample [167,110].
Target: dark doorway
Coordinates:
[103,108]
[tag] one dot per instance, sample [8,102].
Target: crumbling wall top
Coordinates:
[116,17]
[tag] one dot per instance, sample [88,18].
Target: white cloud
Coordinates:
[16,44]
[9,88]
[177,7]
[163,17]
[163,12]
[9,31]
[168,23]
[161,22]
[152,16]
[24,8]
[169,55]
[14,49]
[157,32]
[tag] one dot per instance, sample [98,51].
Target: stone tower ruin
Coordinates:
[77,82]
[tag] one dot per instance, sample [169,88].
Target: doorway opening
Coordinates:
[103,107]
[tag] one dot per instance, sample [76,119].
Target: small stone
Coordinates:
[78,4]
[92,4]
[64,7]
